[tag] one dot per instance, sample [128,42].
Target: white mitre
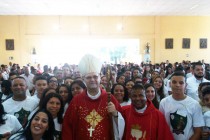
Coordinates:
[89,64]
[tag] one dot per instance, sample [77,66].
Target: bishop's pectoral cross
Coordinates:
[91,131]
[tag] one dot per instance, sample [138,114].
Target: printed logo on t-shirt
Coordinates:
[22,116]
[57,135]
[178,122]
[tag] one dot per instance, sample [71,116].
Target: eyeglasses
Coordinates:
[53,81]
[95,77]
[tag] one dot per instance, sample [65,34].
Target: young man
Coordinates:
[20,105]
[40,85]
[92,114]
[194,81]
[183,114]
[143,120]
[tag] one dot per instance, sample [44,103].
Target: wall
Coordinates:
[28,31]
[179,28]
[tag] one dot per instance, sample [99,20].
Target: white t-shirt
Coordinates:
[182,116]
[65,108]
[29,80]
[20,109]
[11,125]
[35,97]
[192,87]
[58,128]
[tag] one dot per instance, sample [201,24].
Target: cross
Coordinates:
[91,131]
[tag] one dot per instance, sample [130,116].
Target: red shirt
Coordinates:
[84,114]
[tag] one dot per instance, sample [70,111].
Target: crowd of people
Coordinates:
[96,101]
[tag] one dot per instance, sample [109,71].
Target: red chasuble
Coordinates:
[150,125]
[88,119]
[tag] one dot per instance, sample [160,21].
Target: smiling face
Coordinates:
[129,85]
[119,93]
[40,86]
[138,98]
[158,83]
[53,106]
[92,81]
[121,80]
[103,81]
[76,89]
[19,87]
[150,93]
[39,124]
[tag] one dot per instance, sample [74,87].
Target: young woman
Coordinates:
[129,84]
[6,91]
[66,95]
[45,92]
[104,82]
[40,127]
[54,104]
[77,87]
[200,89]
[135,73]
[205,100]
[120,93]
[147,72]
[9,124]
[159,86]
[153,75]
[151,94]
[120,79]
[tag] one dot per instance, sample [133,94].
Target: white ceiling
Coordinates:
[106,7]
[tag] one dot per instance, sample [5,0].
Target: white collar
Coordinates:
[96,96]
[141,110]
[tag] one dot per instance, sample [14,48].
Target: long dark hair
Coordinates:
[160,92]
[46,100]
[154,101]
[7,85]
[125,98]
[69,92]
[48,133]
[44,94]
[2,113]
[80,83]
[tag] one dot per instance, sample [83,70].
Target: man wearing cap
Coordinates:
[93,114]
